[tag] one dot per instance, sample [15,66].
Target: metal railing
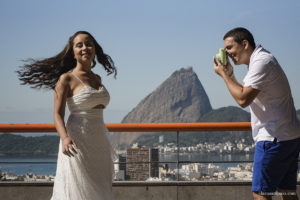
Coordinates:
[138,127]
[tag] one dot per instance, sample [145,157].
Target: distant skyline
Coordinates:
[148,41]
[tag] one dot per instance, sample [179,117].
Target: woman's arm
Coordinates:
[60,96]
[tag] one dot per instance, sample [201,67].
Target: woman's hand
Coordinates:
[68,146]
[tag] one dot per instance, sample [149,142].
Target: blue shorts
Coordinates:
[275,165]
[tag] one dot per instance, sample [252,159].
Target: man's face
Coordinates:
[235,51]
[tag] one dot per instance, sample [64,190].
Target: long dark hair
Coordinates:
[45,73]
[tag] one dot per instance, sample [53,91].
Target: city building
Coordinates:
[142,163]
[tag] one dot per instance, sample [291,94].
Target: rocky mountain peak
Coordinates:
[180,98]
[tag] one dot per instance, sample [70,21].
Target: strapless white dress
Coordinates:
[87,175]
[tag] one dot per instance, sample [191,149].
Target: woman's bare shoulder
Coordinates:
[65,78]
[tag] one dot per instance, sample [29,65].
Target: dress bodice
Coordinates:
[87,98]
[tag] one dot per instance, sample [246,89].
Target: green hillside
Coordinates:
[225,114]
[17,145]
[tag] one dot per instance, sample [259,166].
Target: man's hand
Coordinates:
[223,70]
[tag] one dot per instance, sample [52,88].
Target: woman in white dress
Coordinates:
[84,166]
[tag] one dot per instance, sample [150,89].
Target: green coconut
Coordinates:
[221,56]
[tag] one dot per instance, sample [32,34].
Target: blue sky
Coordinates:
[148,40]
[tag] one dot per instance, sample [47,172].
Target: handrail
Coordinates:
[136,127]
[141,127]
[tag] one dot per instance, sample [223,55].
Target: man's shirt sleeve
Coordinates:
[257,76]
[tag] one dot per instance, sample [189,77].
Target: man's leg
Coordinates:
[275,167]
[263,186]
[287,186]
[258,196]
[284,195]
[288,194]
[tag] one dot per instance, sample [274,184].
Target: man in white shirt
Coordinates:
[275,127]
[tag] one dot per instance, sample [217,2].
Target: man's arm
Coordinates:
[242,95]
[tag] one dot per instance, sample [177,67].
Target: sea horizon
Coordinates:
[36,165]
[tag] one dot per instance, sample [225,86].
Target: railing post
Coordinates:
[177,145]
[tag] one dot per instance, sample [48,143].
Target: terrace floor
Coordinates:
[142,190]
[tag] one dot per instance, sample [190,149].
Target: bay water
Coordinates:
[34,164]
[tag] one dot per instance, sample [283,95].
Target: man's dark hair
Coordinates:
[239,34]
